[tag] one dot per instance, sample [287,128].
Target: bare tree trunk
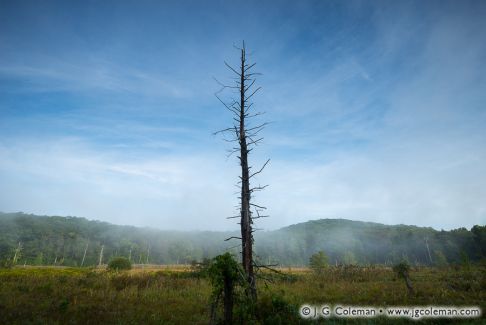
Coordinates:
[84,255]
[17,253]
[228,300]
[213,312]
[246,222]
[408,282]
[101,255]
[428,250]
[246,137]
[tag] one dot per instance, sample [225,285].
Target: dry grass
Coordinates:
[174,295]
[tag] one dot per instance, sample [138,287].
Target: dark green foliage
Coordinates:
[479,237]
[6,263]
[349,258]
[401,269]
[201,269]
[225,275]
[119,264]
[274,308]
[223,267]
[318,262]
[465,262]
[439,259]
[64,239]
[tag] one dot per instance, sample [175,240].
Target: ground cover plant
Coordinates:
[119,264]
[155,296]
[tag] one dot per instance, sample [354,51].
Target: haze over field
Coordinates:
[63,241]
[378,110]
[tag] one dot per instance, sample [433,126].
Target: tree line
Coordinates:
[43,240]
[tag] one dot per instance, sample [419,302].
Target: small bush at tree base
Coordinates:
[119,264]
[225,275]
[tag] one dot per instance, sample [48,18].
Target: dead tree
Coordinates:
[246,136]
[428,250]
[84,255]
[402,269]
[101,255]
[17,254]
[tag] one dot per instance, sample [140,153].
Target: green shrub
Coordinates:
[440,259]
[200,269]
[349,258]
[318,262]
[273,308]
[402,269]
[119,264]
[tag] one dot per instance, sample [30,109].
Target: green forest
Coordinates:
[55,240]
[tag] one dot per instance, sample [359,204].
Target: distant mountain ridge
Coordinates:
[350,222]
[63,240]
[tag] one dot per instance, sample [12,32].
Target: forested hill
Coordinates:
[63,240]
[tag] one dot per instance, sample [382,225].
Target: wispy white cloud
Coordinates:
[197,192]
[176,192]
[377,117]
[54,74]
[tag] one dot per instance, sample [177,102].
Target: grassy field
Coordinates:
[175,295]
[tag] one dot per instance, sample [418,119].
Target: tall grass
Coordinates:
[89,296]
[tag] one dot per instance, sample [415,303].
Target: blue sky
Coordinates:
[378,110]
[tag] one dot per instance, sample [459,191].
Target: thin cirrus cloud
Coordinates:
[377,113]
[58,176]
[49,76]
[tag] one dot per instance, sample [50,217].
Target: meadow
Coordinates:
[179,295]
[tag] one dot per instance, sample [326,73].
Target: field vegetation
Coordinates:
[35,295]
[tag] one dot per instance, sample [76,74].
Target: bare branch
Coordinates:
[231,152]
[269,267]
[230,248]
[223,130]
[248,67]
[249,86]
[231,68]
[229,107]
[261,169]
[232,237]
[262,216]
[255,115]
[223,86]
[258,206]
[257,127]
[253,93]
[255,142]
[230,140]
[258,188]
[247,109]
